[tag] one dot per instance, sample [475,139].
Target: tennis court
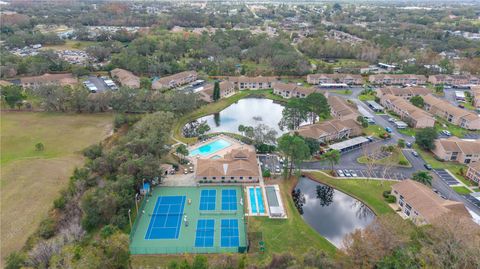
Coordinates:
[190,220]
[166,218]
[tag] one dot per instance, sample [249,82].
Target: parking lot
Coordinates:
[471,136]
[270,162]
[363,173]
[472,200]
[99,83]
[446,177]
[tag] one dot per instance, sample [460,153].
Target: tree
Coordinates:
[417,101]
[423,177]
[425,138]
[401,143]
[294,149]
[241,128]
[12,94]
[332,156]
[203,128]
[293,114]
[317,105]
[145,83]
[439,88]
[14,260]
[39,146]
[263,134]
[313,145]
[182,150]
[216,91]
[362,121]
[99,52]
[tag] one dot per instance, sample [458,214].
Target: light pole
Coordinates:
[130,218]
[136,202]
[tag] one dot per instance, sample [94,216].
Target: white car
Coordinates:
[340,173]
[347,174]
[353,173]
[391,119]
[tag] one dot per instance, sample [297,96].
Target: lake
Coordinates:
[332,213]
[247,111]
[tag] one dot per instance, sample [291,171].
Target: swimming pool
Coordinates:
[210,148]
[256,200]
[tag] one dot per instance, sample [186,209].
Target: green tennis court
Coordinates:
[190,220]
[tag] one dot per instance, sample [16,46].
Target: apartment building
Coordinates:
[331,130]
[48,79]
[454,80]
[289,90]
[457,150]
[253,83]
[340,109]
[387,79]
[414,116]
[473,172]
[420,204]
[226,89]
[238,165]
[125,78]
[405,93]
[455,115]
[349,79]
[476,97]
[175,80]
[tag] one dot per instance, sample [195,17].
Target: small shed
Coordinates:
[145,189]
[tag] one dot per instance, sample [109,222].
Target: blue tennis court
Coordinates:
[205,233]
[229,199]
[229,233]
[208,199]
[166,218]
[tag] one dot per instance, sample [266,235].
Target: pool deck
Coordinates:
[234,144]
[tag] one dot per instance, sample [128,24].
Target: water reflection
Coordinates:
[332,213]
[248,112]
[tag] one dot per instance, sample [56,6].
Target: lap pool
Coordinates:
[210,148]
[256,200]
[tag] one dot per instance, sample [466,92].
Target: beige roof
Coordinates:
[293,88]
[326,128]
[442,105]
[335,76]
[258,79]
[405,91]
[238,162]
[63,79]
[207,91]
[407,107]
[455,144]
[396,76]
[339,105]
[427,203]
[4,83]
[166,80]
[125,77]
[475,165]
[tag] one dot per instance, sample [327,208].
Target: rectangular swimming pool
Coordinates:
[256,200]
[210,148]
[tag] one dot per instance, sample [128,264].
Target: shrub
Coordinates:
[47,228]
[60,202]
[15,260]
[391,199]
[386,194]
[266,173]
[402,162]
[93,152]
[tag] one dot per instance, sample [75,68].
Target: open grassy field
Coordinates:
[70,45]
[30,179]
[395,159]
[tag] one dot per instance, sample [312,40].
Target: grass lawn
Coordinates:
[31,180]
[71,45]
[395,159]
[455,130]
[366,97]
[407,131]
[451,166]
[461,190]
[368,191]
[344,92]
[216,107]
[374,130]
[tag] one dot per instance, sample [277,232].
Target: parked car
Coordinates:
[347,173]
[409,145]
[388,130]
[446,132]
[370,138]
[340,173]
[427,166]
[391,119]
[461,105]
[353,173]
[414,153]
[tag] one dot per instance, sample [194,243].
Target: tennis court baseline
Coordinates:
[229,199]
[204,236]
[166,218]
[208,199]
[229,233]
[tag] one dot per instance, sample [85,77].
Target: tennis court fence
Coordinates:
[180,250]
[135,222]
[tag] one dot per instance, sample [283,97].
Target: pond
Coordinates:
[332,213]
[247,111]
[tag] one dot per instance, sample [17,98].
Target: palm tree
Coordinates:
[333,156]
[423,177]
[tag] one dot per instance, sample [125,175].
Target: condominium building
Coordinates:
[340,109]
[414,116]
[473,172]
[125,78]
[420,204]
[349,79]
[454,80]
[455,115]
[476,97]
[289,90]
[253,83]
[387,79]
[175,80]
[457,150]
[226,89]
[331,130]
[48,79]
[405,93]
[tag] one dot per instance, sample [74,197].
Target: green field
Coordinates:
[394,159]
[71,45]
[461,190]
[30,179]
